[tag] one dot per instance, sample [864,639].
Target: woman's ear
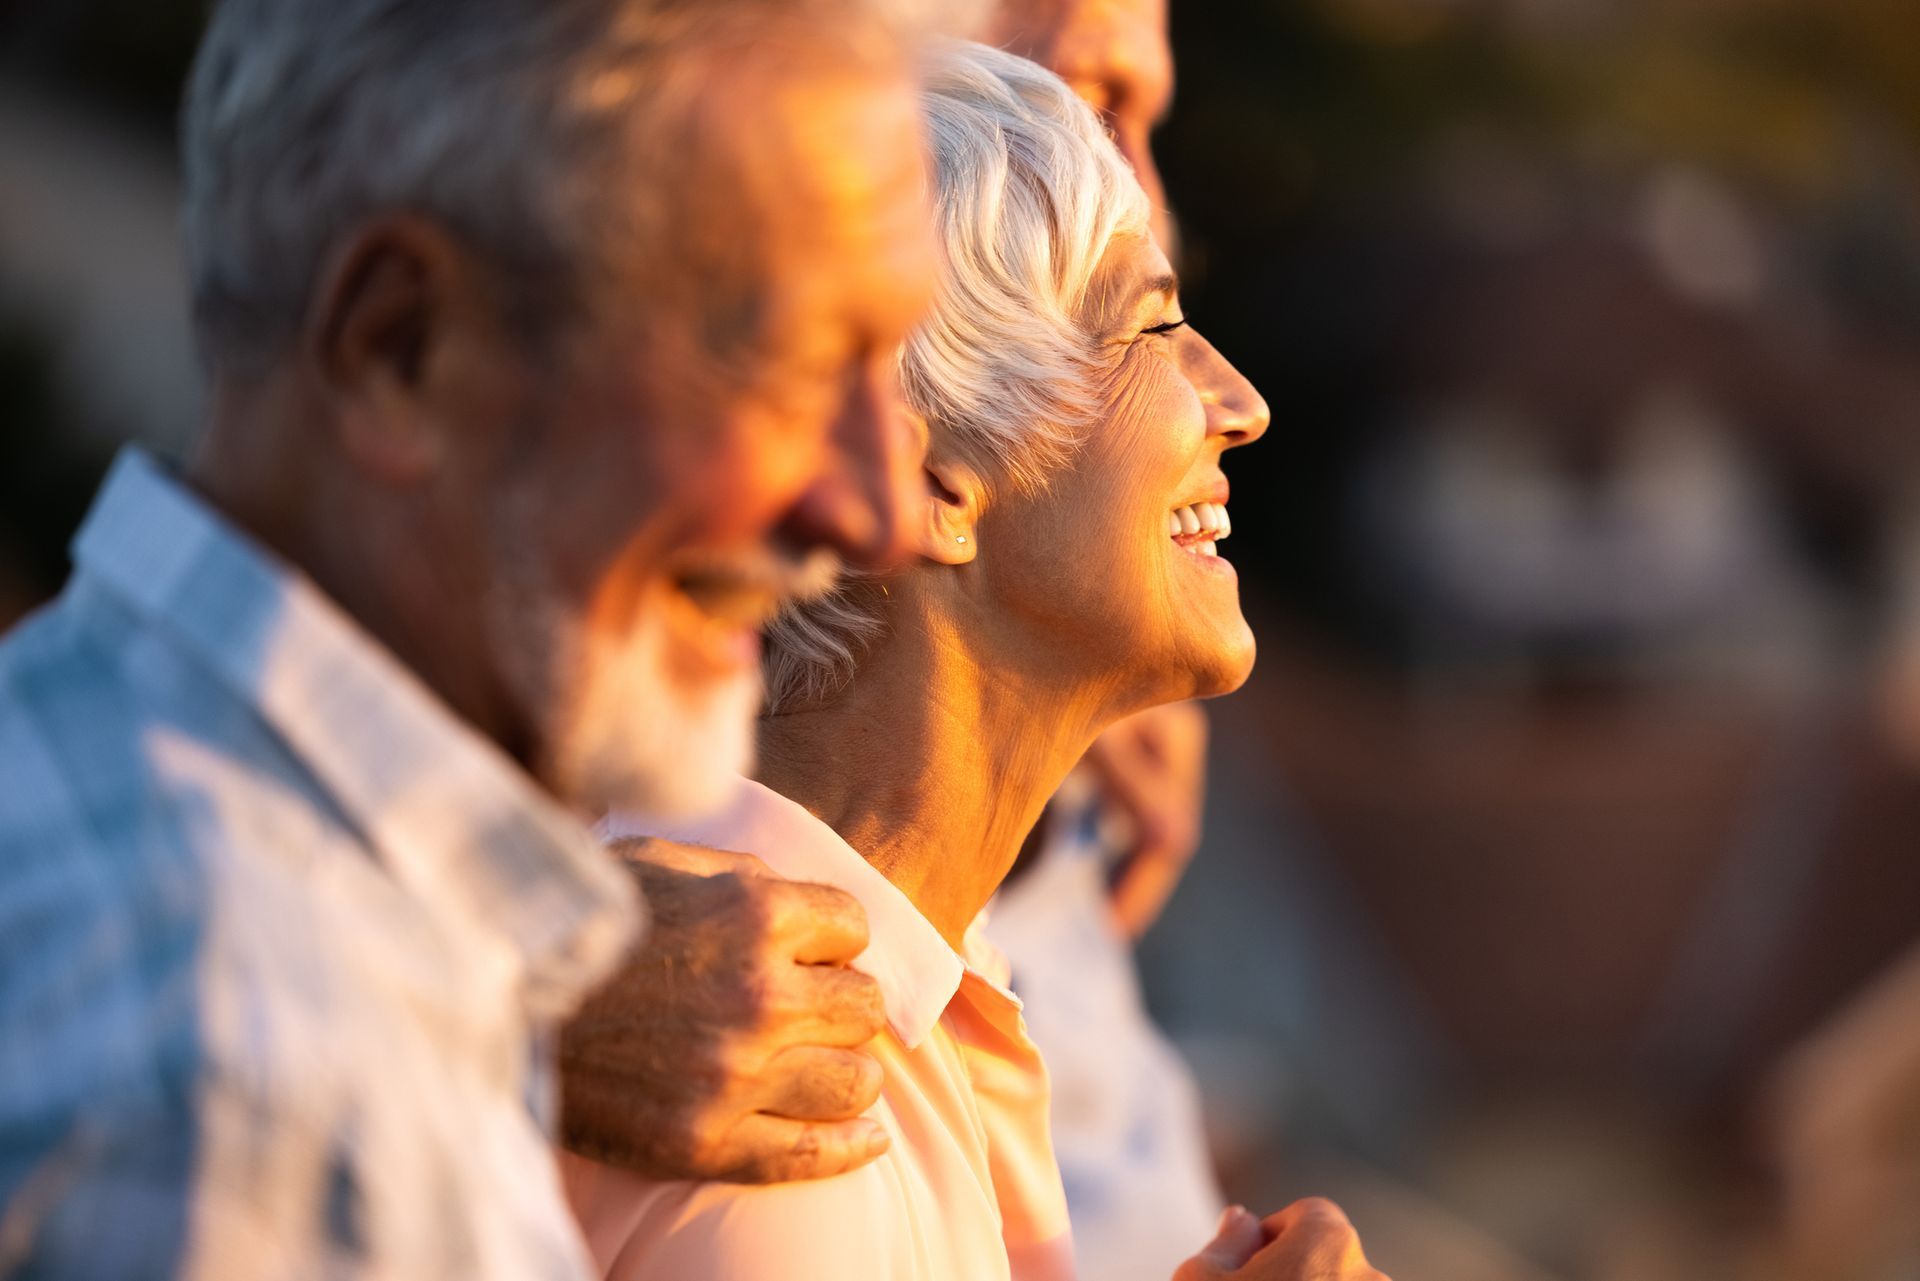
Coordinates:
[955,496]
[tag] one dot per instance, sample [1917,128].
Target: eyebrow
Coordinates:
[1166,286]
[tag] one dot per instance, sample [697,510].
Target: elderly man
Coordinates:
[551,350]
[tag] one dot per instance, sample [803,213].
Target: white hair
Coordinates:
[1029,192]
[501,119]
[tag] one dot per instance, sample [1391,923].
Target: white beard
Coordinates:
[616,730]
[634,742]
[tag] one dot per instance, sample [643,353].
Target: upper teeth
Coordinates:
[1196,518]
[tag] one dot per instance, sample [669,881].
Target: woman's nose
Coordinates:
[1235,410]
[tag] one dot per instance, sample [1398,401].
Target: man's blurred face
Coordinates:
[720,436]
[1116,56]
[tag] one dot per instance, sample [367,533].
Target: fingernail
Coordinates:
[878,1141]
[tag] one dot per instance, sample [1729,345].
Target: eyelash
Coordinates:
[1167,328]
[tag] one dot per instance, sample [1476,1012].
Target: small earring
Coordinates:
[961,539]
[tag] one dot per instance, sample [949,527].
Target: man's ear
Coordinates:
[956,495]
[384,312]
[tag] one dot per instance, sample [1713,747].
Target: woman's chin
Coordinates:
[1227,667]
[1232,679]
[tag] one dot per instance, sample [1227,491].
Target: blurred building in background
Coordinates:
[1580,777]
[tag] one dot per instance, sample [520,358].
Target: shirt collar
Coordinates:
[918,973]
[458,823]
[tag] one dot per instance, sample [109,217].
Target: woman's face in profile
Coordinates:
[1120,558]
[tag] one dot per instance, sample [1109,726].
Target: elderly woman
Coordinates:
[1067,573]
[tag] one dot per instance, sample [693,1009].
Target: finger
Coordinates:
[822,925]
[1145,884]
[1128,773]
[1163,746]
[813,1083]
[1314,1212]
[1237,1240]
[839,1007]
[696,860]
[772,1149]
[1314,1238]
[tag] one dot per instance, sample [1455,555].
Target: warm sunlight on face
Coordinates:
[709,448]
[1118,564]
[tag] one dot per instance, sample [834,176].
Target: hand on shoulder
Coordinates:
[728,1046]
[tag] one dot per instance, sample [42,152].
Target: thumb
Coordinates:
[654,853]
[1237,1240]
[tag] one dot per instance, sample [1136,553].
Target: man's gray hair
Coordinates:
[1029,192]
[500,119]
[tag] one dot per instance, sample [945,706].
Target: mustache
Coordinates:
[790,577]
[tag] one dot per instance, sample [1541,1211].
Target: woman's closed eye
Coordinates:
[1166,328]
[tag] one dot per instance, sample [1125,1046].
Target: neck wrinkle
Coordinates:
[934,764]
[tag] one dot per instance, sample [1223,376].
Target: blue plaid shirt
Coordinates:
[276,934]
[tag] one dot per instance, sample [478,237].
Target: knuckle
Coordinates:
[709,1144]
[1318,1207]
[735,1059]
[804,1155]
[752,1002]
[746,902]
[867,1081]
[855,1082]
[870,1012]
[852,920]
[858,998]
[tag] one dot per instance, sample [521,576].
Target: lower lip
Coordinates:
[1215,564]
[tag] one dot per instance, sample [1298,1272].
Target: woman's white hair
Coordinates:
[1029,192]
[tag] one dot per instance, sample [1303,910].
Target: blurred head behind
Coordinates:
[1056,337]
[555,340]
[1113,53]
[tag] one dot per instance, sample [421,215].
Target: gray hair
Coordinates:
[500,119]
[1029,192]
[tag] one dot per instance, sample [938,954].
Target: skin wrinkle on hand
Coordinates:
[669,1060]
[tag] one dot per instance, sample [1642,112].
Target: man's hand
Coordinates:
[1153,768]
[1310,1240]
[727,1047]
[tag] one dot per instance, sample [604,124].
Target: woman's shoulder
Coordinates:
[858,1224]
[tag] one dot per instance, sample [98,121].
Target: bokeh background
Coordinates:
[1580,777]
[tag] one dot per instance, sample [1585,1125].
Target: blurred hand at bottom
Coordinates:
[1310,1240]
[1152,768]
[1843,1121]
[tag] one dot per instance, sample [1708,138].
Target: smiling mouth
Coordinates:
[1197,528]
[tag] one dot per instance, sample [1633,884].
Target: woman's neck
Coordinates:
[934,765]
